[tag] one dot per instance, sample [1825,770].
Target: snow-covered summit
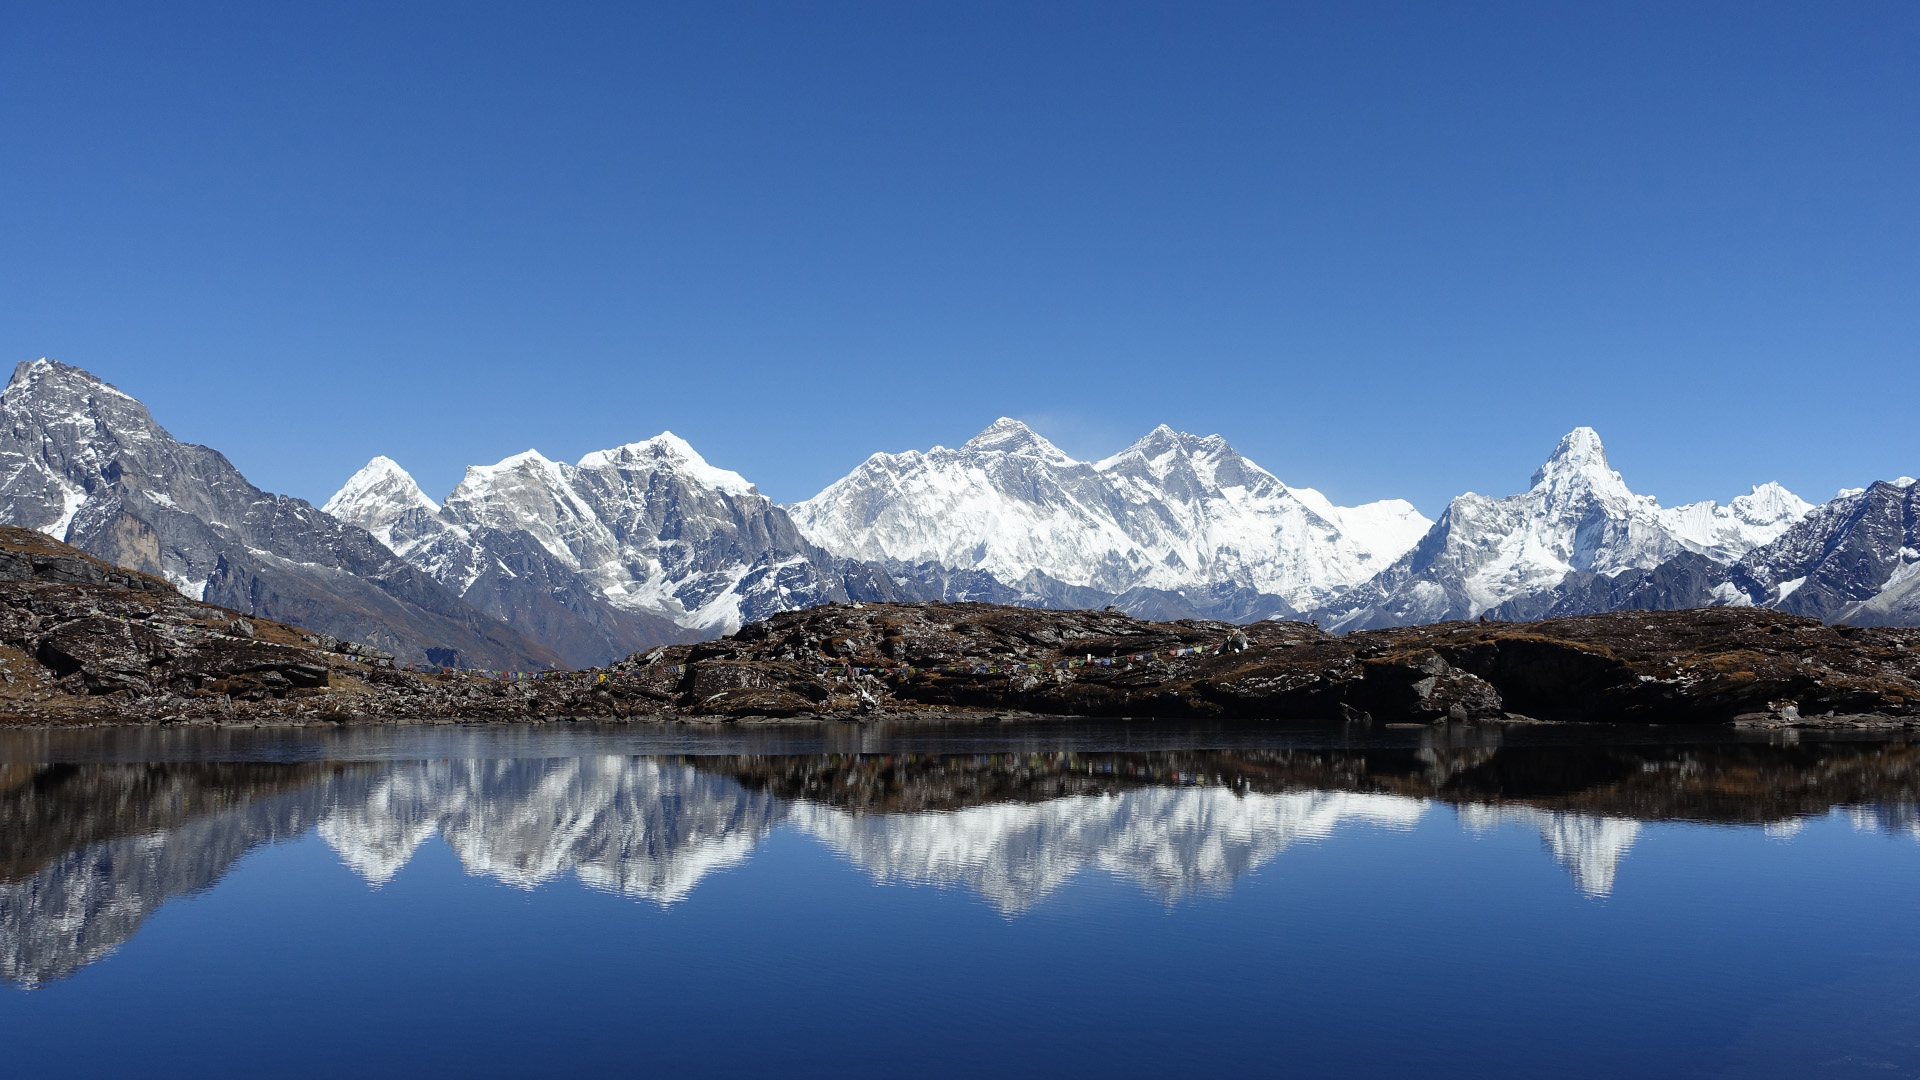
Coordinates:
[1578,468]
[1578,515]
[1172,511]
[1725,533]
[667,450]
[632,543]
[1009,436]
[377,497]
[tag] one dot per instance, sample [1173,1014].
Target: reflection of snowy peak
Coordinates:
[84,903]
[1511,555]
[649,828]
[1589,847]
[1172,842]
[1171,512]
[633,546]
[100,848]
[631,826]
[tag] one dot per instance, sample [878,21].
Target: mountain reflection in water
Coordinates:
[88,851]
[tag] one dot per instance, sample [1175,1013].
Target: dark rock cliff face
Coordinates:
[526,587]
[1687,580]
[1856,559]
[83,462]
[1714,665]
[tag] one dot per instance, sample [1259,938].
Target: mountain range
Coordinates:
[85,463]
[533,563]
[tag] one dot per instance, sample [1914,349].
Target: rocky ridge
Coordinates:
[1561,546]
[81,640]
[87,464]
[634,546]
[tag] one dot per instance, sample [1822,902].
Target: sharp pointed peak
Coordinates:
[1581,444]
[380,479]
[1772,494]
[1579,452]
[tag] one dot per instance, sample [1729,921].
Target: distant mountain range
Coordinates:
[532,562]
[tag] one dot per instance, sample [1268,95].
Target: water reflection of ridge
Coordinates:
[91,851]
[1172,842]
[652,829]
[87,852]
[639,827]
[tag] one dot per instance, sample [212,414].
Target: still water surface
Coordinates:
[1049,900]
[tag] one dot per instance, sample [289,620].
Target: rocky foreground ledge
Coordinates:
[82,641]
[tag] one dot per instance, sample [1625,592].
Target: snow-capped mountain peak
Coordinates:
[636,544]
[380,481]
[1578,517]
[1009,436]
[1578,466]
[378,497]
[1171,512]
[667,450]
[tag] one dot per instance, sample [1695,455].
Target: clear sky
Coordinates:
[1385,250]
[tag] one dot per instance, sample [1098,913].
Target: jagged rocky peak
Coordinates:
[642,541]
[1767,504]
[526,492]
[1164,452]
[83,423]
[1855,559]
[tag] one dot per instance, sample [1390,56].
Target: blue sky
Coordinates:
[1385,250]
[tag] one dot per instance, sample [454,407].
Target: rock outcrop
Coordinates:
[81,640]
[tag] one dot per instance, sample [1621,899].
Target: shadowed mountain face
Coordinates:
[87,464]
[87,852]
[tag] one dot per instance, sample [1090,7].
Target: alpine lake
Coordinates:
[1031,899]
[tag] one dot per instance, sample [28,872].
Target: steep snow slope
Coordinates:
[1512,556]
[1725,533]
[1171,512]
